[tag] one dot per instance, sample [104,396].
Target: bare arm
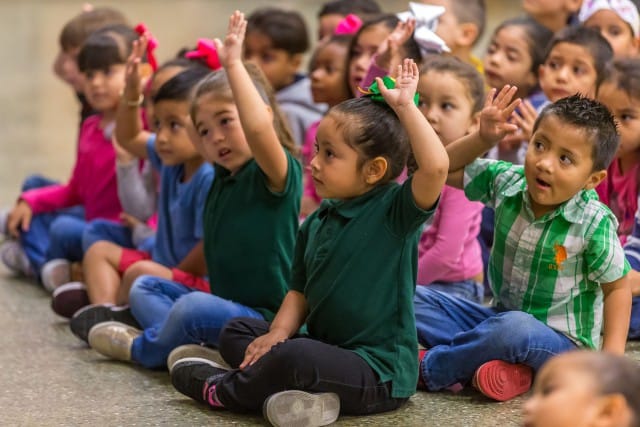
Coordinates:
[255,115]
[194,263]
[617,312]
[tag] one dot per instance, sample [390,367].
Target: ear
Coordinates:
[613,410]
[375,169]
[467,34]
[595,178]
[541,71]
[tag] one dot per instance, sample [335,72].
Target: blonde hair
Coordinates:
[218,84]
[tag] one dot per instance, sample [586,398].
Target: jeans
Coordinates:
[111,231]
[53,234]
[462,335]
[172,315]
[467,289]
[299,363]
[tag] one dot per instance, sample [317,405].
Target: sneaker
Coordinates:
[14,258]
[501,381]
[197,379]
[196,352]
[55,273]
[69,298]
[86,318]
[113,339]
[298,408]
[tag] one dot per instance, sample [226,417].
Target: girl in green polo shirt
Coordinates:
[353,277]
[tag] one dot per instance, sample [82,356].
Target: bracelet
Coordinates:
[136,103]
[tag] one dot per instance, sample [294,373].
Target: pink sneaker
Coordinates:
[501,381]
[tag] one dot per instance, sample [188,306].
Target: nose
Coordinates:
[361,63]
[430,114]
[313,164]
[544,163]
[562,74]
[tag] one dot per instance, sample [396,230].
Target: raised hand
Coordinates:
[133,85]
[494,118]
[390,51]
[406,85]
[230,51]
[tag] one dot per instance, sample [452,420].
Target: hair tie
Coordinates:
[206,50]
[426,17]
[349,25]
[152,44]
[374,91]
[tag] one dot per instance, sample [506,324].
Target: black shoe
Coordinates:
[197,378]
[87,317]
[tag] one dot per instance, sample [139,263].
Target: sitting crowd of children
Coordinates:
[407,216]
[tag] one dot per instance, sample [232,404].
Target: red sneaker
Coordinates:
[501,381]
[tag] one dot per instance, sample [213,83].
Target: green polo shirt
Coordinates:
[355,263]
[249,236]
[550,267]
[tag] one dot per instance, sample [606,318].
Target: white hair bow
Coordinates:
[426,17]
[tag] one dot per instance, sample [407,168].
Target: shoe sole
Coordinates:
[87,317]
[295,408]
[501,380]
[196,352]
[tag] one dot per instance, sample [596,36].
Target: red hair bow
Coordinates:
[350,24]
[152,44]
[207,51]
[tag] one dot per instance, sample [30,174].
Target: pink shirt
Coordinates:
[308,150]
[93,181]
[449,250]
[620,192]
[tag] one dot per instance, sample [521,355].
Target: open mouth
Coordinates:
[543,184]
[223,152]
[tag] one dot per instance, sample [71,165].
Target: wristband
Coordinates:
[136,103]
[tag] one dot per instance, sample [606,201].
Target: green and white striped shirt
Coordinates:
[551,267]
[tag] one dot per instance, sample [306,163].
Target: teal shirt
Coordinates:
[356,264]
[249,236]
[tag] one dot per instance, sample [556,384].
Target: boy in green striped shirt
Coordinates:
[557,270]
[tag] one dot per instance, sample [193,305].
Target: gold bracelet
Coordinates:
[135,103]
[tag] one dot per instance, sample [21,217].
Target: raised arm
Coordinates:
[428,150]
[494,126]
[255,114]
[129,132]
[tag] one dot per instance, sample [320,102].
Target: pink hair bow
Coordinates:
[349,25]
[207,51]
[152,44]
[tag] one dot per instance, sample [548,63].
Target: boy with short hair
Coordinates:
[576,61]
[556,268]
[276,41]
[461,26]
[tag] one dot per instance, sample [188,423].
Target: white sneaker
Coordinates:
[196,352]
[55,273]
[13,257]
[298,408]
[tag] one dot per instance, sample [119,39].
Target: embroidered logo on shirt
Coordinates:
[561,256]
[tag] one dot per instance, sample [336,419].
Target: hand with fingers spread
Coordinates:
[19,218]
[406,84]
[133,81]
[262,345]
[390,54]
[494,118]
[525,117]
[230,51]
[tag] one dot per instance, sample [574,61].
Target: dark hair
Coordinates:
[463,72]
[180,86]
[536,35]
[593,118]
[470,11]
[75,32]
[285,28]
[345,7]
[373,130]
[591,39]
[217,83]
[625,74]
[106,47]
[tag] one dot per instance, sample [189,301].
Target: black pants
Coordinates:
[299,363]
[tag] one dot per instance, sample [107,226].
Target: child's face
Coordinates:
[221,138]
[366,45]
[103,87]
[328,74]
[172,126]
[558,164]
[545,8]
[65,67]
[508,61]
[159,78]
[626,111]
[277,65]
[445,102]
[564,395]
[327,24]
[617,32]
[334,167]
[569,69]
[448,24]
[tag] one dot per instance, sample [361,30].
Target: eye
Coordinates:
[329,154]
[225,121]
[90,74]
[554,65]
[316,148]
[155,124]
[492,48]
[175,125]
[447,106]
[615,31]
[579,70]
[538,146]
[202,131]
[565,160]
[267,57]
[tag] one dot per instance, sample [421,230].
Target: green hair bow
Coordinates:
[374,91]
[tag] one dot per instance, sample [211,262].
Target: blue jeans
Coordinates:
[467,289]
[462,335]
[172,315]
[111,231]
